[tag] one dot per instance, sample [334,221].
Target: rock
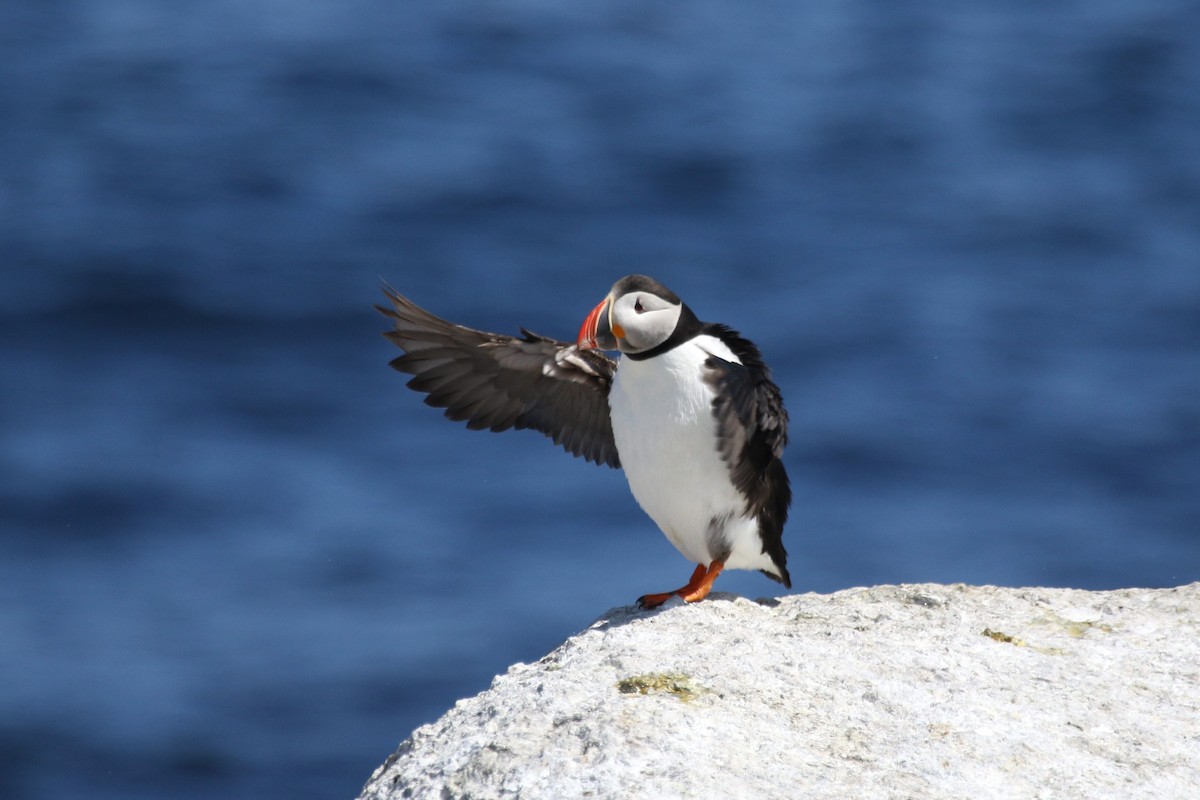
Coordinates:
[894,691]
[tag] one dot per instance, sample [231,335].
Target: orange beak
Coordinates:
[596,332]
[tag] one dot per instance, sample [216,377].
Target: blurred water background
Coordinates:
[239,559]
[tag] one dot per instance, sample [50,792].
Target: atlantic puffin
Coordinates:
[689,411]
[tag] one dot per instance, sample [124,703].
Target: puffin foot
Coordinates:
[696,589]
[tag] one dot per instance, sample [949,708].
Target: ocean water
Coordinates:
[239,559]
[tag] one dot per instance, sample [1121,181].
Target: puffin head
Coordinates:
[638,315]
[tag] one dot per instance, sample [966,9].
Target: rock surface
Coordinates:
[894,691]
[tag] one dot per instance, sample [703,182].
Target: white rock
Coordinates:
[894,691]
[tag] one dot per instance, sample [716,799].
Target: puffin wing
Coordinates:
[498,382]
[752,433]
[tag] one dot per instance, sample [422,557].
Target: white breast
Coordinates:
[666,437]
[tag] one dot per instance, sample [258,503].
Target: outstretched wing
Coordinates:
[499,382]
[752,429]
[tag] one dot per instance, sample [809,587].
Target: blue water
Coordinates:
[239,559]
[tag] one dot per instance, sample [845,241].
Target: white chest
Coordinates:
[667,440]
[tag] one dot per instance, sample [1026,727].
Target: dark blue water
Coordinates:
[239,559]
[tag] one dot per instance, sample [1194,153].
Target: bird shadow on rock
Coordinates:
[623,615]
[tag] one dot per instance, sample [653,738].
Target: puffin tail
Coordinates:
[783,576]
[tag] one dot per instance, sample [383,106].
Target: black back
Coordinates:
[752,433]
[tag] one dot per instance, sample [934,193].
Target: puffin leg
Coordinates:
[696,589]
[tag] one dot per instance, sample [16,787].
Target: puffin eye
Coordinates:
[637,306]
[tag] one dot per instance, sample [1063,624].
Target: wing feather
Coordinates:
[497,382]
[752,429]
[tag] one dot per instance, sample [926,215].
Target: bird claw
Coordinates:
[696,589]
[650,601]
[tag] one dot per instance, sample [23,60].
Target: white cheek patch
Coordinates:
[650,328]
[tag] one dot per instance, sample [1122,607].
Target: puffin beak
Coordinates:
[596,332]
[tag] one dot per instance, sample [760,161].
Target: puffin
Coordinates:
[687,409]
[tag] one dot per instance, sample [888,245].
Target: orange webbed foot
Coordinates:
[696,589]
